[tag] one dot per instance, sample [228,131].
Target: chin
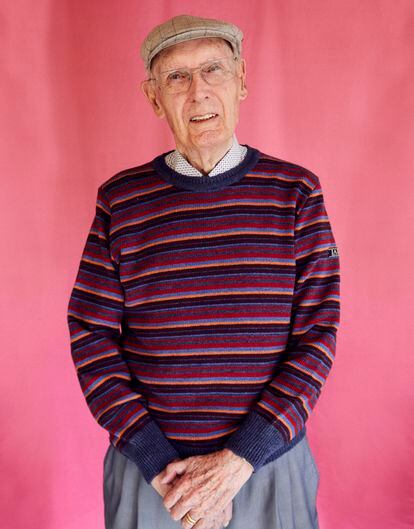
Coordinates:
[211,138]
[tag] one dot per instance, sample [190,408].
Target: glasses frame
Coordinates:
[191,72]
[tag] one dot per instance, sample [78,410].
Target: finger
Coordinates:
[169,478]
[218,524]
[214,521]
[172,470]
[210,520]
[169,473]
[203,523]
[188,525]
[218,521]
[188,503]
[209,507]
[174,495]
[228,514]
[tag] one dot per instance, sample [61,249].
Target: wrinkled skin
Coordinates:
[204,486]
[203,144]
[214,521]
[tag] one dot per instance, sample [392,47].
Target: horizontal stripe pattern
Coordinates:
[192,309]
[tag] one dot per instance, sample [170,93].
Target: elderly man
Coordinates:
[204,315]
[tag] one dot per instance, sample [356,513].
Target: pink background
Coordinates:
[330,87]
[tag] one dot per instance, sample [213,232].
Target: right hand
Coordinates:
[215,521]
[212,521]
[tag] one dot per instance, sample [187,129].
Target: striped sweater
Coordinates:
[205,310]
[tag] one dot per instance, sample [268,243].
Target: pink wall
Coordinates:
[331,87]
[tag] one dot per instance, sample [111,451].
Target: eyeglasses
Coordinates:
[213,72]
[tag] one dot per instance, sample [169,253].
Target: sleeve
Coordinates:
[95,313]
[287,401]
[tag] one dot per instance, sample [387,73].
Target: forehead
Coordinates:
[191,51]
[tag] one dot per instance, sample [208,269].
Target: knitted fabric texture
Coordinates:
[205,310]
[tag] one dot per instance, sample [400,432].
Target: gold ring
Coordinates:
[189,519]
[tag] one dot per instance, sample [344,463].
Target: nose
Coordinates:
[198,87]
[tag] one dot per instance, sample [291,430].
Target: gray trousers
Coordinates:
[281,495]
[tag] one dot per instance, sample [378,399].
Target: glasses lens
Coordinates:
[218,71]
[176,81]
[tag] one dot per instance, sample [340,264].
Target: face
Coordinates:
[201,98]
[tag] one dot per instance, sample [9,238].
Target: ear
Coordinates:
[243,88]
[150,93]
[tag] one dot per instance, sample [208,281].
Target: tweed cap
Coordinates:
[186,27]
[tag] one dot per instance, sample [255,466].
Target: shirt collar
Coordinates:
[176,161]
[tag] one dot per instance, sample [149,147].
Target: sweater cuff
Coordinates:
[255,440]
[150,450]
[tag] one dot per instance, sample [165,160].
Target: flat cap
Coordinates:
[186,27]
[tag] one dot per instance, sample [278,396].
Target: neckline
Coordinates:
[206,182]
[177,161]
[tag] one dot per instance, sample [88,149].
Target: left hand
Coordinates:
[161,488]
[206,486]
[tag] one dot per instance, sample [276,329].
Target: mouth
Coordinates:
[203,117]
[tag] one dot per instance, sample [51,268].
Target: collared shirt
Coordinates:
[176,161]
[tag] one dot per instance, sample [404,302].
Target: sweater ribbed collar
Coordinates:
[206,182]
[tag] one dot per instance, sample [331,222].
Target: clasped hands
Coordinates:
[203,486]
